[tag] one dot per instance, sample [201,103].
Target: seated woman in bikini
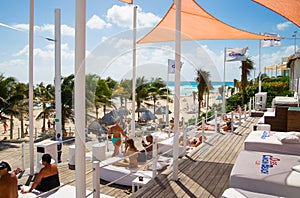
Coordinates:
[116,132]
[132,152]
[47,178]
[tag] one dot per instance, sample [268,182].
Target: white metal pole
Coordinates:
[57,73]
[177,88]
[23,155]
[259,67]
[96,177]
[79,101]
[203,126]
[31,126]
[223,94]
[132,134]
[167,102]
[155,158]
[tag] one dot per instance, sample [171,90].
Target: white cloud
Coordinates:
[123,17]
[67,30]
[47,28]
[283,26]
[147,19]
[22,26]
[96,22]
[22,52]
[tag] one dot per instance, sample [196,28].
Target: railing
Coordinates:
[96,165]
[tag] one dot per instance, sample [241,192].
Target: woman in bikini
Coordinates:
[116,132]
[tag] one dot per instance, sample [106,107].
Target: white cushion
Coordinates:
[296,168]
[289,139]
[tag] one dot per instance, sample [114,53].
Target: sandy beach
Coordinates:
[188,110]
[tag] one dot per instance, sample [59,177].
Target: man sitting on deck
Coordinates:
[47,178]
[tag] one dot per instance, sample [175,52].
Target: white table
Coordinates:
[136,182]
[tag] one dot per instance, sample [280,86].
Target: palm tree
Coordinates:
[158,89]
[141,92]
[202,79]
[9,97]
[67,92]
[91,84]
[125,91]
[45,96]
[102,96]
[246,67]
[22,105]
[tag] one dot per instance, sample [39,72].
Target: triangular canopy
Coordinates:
[196,24]
[290,9]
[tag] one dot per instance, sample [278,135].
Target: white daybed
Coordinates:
[284,100]
[240,193]
[267,173]
[63,192]
[166,146]
[111,172]
[159,135]
[268,141]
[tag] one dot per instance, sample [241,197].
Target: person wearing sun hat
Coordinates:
[8,182]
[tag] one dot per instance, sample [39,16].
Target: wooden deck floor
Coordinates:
[204,173]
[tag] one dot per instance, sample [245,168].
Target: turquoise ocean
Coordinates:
[187,87]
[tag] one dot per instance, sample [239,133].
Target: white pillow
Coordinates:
[295,133]
[296,168]
[289,139]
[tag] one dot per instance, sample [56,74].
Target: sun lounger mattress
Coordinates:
[268,141]
[267,173]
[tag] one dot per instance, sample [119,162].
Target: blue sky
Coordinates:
[109,39]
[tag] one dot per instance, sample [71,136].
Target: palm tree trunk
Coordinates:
[11,127]
[97,113]
[22,125]
[44,118]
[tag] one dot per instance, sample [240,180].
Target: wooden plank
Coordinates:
[203,176]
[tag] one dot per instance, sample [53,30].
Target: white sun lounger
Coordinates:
[63,192]
[268,141]
[267,173]
[111,173]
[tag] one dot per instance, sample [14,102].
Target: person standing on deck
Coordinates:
[59,147]
[116,132]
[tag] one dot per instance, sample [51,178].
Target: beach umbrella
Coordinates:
[148,115]
[162,110]
[96,128]
[141,109]
[110,118]
[123,111]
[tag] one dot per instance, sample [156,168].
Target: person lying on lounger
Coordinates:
[194,141]
[207,127]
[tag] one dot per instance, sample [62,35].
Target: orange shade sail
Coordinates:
[289,9]
[196,24]
[127,1]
